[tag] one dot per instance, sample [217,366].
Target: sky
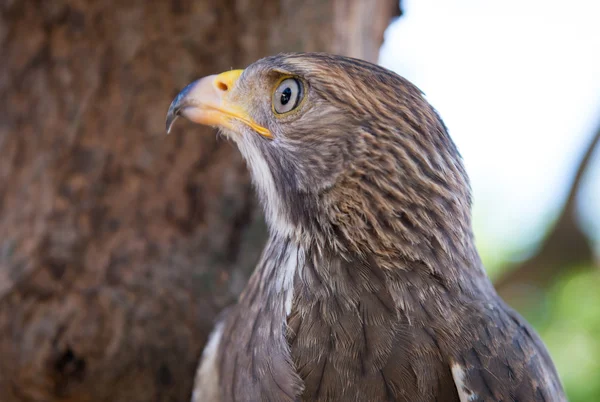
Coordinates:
[518,85]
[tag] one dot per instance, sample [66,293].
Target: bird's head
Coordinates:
[341,151]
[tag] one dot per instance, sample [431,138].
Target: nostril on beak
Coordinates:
[225,82]
[222,86]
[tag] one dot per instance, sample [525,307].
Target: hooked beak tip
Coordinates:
[177,104]
[171,117]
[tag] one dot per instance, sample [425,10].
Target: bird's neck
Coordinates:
[399,228]
[289,264]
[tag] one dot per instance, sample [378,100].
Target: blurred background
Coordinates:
[119,246]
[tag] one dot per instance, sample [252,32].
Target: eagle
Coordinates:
[370,287]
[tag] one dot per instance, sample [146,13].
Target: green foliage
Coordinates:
[571,329]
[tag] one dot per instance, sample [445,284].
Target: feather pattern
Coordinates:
[370,287]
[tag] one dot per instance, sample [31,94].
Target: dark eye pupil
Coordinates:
[286,95]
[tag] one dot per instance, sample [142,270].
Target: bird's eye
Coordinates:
[287,95]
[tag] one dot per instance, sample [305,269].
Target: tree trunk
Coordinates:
[119,245]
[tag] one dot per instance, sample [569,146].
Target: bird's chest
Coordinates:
[349,341]
[335,334]
[339,352]
[343,334]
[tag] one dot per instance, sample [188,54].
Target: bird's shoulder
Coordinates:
[503,358]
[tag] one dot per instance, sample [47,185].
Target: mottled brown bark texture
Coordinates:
[118,245]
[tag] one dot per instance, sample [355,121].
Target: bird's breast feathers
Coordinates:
[312,328]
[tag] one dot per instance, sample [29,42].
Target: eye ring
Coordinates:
[287,95]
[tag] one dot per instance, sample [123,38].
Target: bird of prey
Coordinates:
[370,287]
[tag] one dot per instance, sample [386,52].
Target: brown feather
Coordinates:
[390,299]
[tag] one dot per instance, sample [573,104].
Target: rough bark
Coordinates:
[118,245]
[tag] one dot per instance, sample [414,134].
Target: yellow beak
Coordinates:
[205,101]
